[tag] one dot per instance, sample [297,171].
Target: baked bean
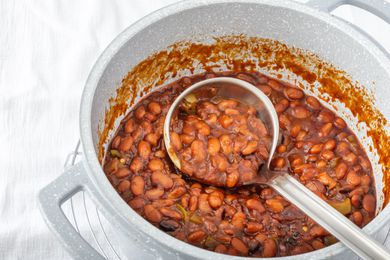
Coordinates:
[356,200]
[300,112]
[130,126]
[341,170]
[126,143]
[313,103]
[137,203]
[318,231]
[196,236]
[255,204]
[140,112]
[316,149]
[226,144]
[238,220]
[156,165]
[137,185]
[177,192]
[350,158]
[227,103]
[294,93]
[144,149]
[250,148]
[220,249]
[161,179]
[187,139]
[275,85]
[325,179]
[116,142]
[154,194]
[152,214]
[369,203]
[112,166]
[353,178]
[214,201]
[281,148]
[253,227]
[339,123]
[357,217]
[365,180]
[154,107]
[266,89]
[203,203]
[124,186]
[282,105]
[279,162]
[152,138]
[325,129]
[171,213]
[239,246]
[213,146]
[225,121]
[275,205]
[136,165]
[122,172]
[193,203]
[325,116]
[327,155]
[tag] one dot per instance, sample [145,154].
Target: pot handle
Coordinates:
[50,200]
[380,8]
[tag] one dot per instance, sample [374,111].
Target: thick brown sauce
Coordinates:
[241,53]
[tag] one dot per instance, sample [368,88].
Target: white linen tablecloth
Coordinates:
[47,49]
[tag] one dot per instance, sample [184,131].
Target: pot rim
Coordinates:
[112,205]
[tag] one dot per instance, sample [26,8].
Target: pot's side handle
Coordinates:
[50,200]
[380,8]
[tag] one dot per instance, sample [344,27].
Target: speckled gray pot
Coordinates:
[306,26]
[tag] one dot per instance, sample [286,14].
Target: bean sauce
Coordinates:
[317,148]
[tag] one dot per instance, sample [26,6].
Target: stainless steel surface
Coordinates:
[227,88]
[292,23]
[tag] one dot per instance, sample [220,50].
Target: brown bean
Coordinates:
[325,130]
[144,149]
[140,112]
[313,103]
[341,170]
[213,146]
[315,149]
[350,158]
[130,126]
[214,201]
[321,164]
[111,166]
[232,179]
[227,103]
[220,249]
[154,107]
[282,105]
[220,162]
[151,117]
[171,213]
[300,112]
[325,116]
[317,244]
[198,150]
[226,144]
[137,203]
[253,227]
[126,144]
[122,172]
[193,203]
[356,200]
[275,85]
[339,123]
[203,128]
[294,93]
[318,231]
[136,165]
[123,186]
[327,155]
[365,180]
[330,144]
[295,129]
[154,194]
[275,205]
[152,214]
[279,162]
[177,192]
[240,246]
[137,185]
[238,220]
[225,121]
[266,89]
[152,138]
[251,147]
[281,148]
[357,218]
[369,203]
[231,112]
[255,204]
[269,248]
[196,236]
[353,178]
[325,179]
[161,179]
[187,139]
[203,203]
[156,165]
[365,163]
[116,142]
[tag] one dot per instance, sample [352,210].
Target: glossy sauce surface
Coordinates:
[316,147]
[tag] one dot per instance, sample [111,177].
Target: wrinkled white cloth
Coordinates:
[47,49]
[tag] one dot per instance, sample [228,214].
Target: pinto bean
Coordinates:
[341,170]
[227,103]
[275,85]
[282,105]
[214,201]
[161,179]
[251,147]
[136,165]
[239,245]
[300,112]
[213,146]
[316,149]
[130,126]
[353,178]
[369,203]
[313,103]
[126,143]
[339,123]
[144,149]
[152,138]
[294,93]
[275,205]
[196,236]
[238,220]
[187,139]
[154,194]
[226,144]
[122,172]
[156,165]
[154,108]
[255,204]
[137,203]
[198,150]
[123,186]
[170,213]
[140,112]
[325,130]
[137,185]
[152,214]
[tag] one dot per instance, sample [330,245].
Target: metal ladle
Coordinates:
[317,209]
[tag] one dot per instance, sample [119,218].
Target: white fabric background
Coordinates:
[46,51]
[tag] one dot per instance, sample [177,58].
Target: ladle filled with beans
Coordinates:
[219,145]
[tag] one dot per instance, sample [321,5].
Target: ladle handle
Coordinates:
[329,218]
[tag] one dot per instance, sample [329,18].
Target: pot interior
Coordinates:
[305,50]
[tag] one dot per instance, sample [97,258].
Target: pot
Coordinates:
[306,26]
